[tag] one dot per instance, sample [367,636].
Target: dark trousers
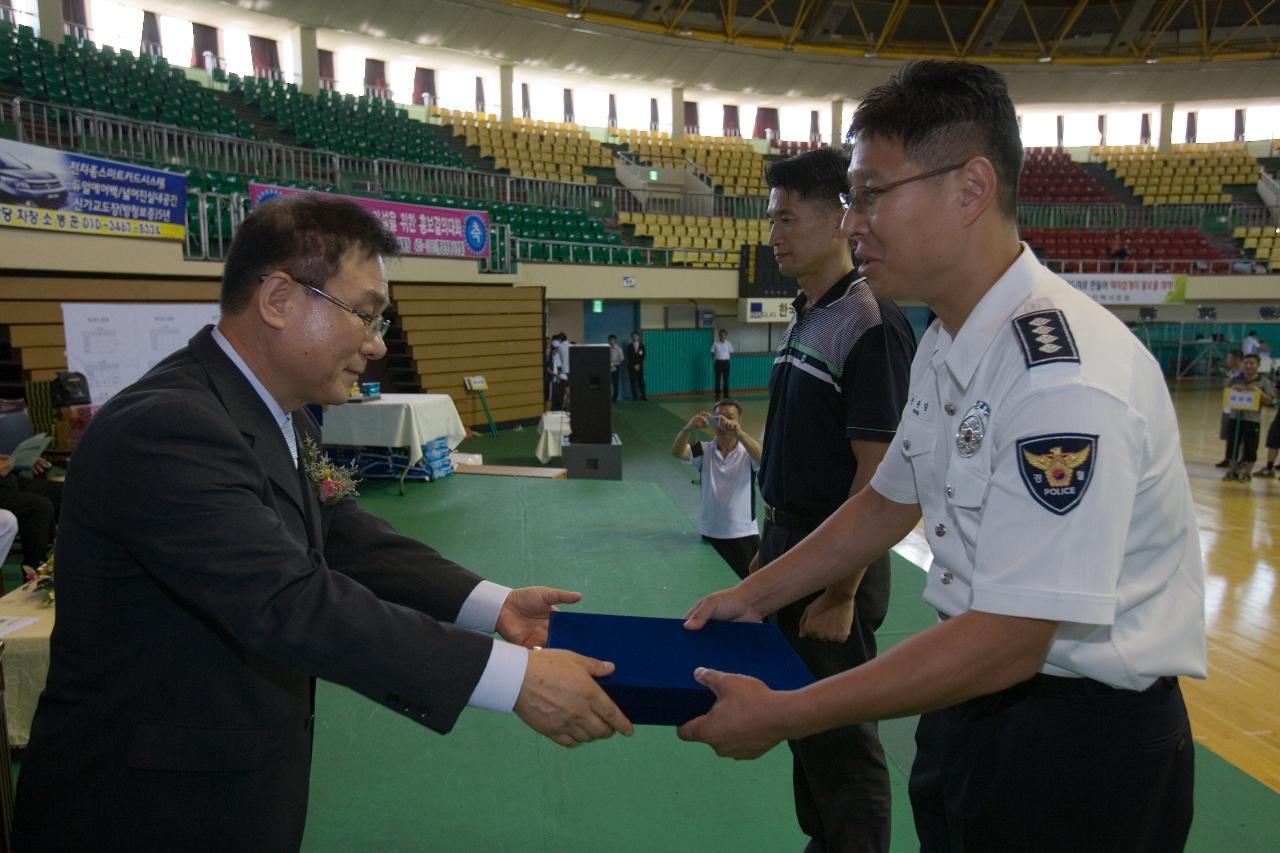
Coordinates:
[1056,764]
[35,503]
[722,378]
[557,395]
[839,777]
[637,382]
[738,553]
[1273,433]
[615,381]
[1245,441]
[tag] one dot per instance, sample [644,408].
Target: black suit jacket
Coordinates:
[635,354]
[201,587]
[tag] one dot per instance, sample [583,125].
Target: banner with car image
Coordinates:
[52,190]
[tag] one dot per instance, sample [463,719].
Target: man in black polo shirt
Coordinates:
[839,383]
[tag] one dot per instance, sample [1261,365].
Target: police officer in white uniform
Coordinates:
[1052,717]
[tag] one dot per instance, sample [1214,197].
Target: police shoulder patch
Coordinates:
[1058,468]
[1045,337]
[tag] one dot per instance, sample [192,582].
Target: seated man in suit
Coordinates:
[204,581]
[35,502]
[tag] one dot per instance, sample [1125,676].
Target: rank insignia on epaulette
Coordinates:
[1057,469]
[1045,337]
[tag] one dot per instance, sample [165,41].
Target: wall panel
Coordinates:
[461,330]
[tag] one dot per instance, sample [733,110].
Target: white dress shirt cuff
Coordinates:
[499,684]
[480,611]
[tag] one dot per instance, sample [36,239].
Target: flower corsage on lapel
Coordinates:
[332,482]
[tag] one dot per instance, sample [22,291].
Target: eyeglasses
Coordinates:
[374,327]
[860,199]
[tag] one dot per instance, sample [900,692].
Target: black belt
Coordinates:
[791,520]
[1056,685]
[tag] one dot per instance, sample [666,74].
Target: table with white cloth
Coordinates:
[406,421]
[551,429]
[26,658]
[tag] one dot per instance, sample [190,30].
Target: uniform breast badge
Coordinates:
[973,429]
[1057,469]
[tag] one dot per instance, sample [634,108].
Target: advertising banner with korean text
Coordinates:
[441,232]
[1131,288]
[52,190]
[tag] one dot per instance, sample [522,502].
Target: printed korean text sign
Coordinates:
[1241,401]
[50,190]
[1130,288]
[442,232]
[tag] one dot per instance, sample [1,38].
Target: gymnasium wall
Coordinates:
[461,330]
[31,310]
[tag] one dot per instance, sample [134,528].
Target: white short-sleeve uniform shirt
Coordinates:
[1042,447]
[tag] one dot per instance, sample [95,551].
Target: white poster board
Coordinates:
[113,345]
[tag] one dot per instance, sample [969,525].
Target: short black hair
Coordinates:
[728,401]
[305,235]
[819,174]
[1254,356]
[942,111]
[613,337]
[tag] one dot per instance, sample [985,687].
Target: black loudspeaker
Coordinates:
[590,418]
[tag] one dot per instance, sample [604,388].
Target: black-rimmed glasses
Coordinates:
[374,326]
[860,199]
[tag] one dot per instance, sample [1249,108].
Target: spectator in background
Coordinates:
[1273,447]
[1248,424]
[1250,344]
[35,502]
[721,350]
[635,367]
[548,373]
[616,360]
[1118,249]
[728,466]
[1226,429]
[559,371]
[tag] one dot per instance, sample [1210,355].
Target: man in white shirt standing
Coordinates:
[728,466]
[616,358]
[721,350]
[1250,344]
[560,372]
[1051,714]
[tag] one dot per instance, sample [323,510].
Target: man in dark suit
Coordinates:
[635,367]
[202,586]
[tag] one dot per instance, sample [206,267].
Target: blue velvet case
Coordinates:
[655,658]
